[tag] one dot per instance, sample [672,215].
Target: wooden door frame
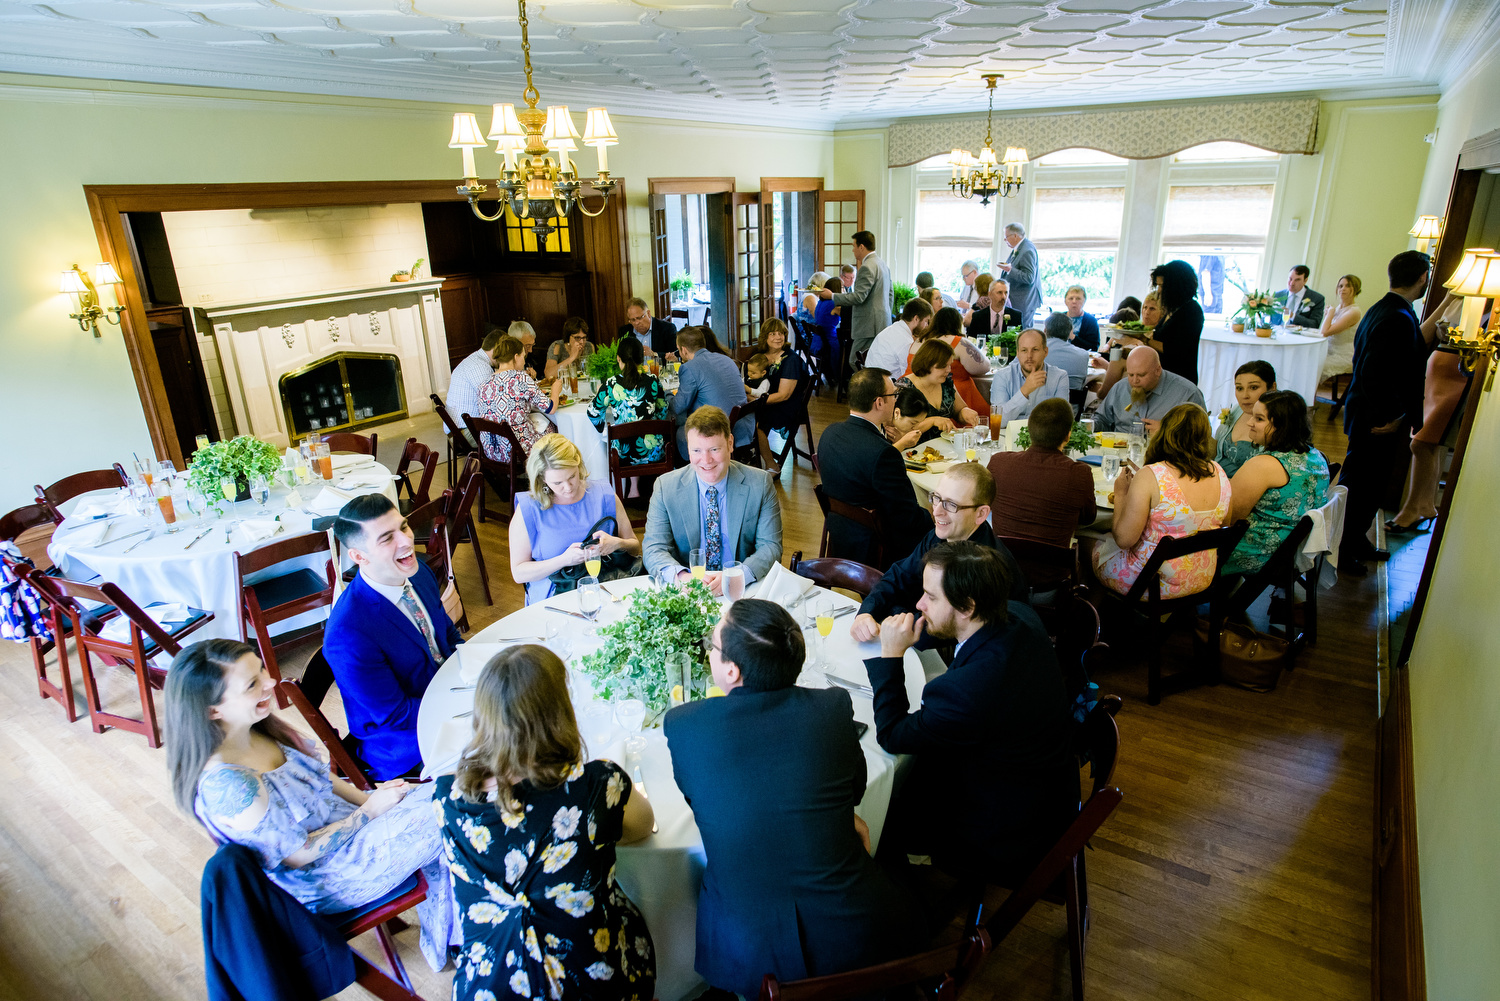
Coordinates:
[108,202]
[676,186]
[856,195]
[783,185]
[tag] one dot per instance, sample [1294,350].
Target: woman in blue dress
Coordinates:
[554,516]
[529,827]
[827,317]
[252,780]
[1234,447]
[1274,489]
[632,395]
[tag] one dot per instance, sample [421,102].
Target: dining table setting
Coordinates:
[574,423]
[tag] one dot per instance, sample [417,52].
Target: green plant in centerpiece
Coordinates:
[660,622]
[237,459]
[1259,308]
[681,285]
[1007,340]
[901,294]
[602,364]
[1080,439]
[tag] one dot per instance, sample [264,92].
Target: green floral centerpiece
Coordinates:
[901,294]
[1259,308]
[602,364]
[1080,439]
[661,622]
[236,459]
[681,285]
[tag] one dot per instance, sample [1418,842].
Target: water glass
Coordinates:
[1138,429]
[734,580]
[1137,452]
[589,598]
[630,714]
[557,640]
[1088,425]
[260,490]
[1110,465]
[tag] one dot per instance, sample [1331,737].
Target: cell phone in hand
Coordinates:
[860,729]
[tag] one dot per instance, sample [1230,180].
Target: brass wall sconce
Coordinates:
[1477,279]
[86,296]
[1427,229]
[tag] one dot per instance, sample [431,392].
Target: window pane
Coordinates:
[1215,217]
[1078,155]
[943,216]
[1223,151]
[1217,275]
[1092,269]
[1077,218]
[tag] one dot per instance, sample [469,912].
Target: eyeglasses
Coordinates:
[886,396]
[951,506]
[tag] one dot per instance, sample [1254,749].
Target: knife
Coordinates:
[194,541]
[640,787]
[564,611]
[852,686]
[130,536]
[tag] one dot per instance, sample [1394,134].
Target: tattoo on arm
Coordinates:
[229,792]
[327,840]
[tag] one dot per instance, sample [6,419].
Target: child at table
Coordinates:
[530,827]
[756,383]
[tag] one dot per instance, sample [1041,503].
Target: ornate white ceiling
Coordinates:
[808,62]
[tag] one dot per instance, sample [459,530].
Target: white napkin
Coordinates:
[330,500]
[98,507]
[1327,530]
[348,460]
[164,615]
[473,656]
[255,530]
[782,586]
[365,480]
[89,536]
[453,736]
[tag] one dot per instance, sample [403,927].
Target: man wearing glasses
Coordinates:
[968,295]
[960,510]
[859,466]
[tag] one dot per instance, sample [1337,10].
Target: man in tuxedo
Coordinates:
[658,337]
[1383,403]
[960,510]
[998,315]
[891,346]
[867,305]
[1023,270]
[1306,305]
[991,784]
[860,466]
[726,508]
[386,636]
[773,773]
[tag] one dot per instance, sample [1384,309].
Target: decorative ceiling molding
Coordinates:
[1481,152]
[1138,133]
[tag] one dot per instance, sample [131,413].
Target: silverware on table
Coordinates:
[462,688]
[852,686]
[564,611]
[518,639]
[124,537]
[148,538]
[640,787]
[194,540]
[465,715]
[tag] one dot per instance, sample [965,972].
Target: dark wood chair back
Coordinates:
[1281,571]
[458,442]
[1223,540]
[802,419]
[866,516]
[426,459]
[1097,740]
[508,476]
[1047,567]
[307,697]
[348,441]
[460,517]
[748,454]
[943,973]
[69,487]
[635,429]
[745,353]
[30,529]
[833,572]
[1078,397]
[265,602]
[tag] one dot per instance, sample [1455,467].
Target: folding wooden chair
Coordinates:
[426,460]
[631,431]
[1047,567]
[460,517]
[866,516]
[145,640]
[803,396]
[459,445]
[56,637]
[748,454]
[69,487]
[348,441]
[273,599]
[29,528]
[1281,572]
[833,572]
[943,972]
[506,476]
[307,696]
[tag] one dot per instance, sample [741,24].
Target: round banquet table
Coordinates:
[161,569]
[663,873]
[923,482]
[573,424]
[1297,359]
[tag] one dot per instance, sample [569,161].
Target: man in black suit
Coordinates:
[1383,403]
[860,466]
[992,784]
[960,510]
[658,337]
[984,321]
[773,773]
[1305,305]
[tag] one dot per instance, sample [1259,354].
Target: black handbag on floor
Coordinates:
[616,565]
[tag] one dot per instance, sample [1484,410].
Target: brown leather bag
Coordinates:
[1248,659]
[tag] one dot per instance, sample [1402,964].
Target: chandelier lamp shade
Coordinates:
[986,175]
[539,179]
[1427,229]
[87,310]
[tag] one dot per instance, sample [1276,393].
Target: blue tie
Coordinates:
[713,535]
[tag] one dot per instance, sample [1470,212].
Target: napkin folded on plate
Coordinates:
[453,736]
[782,586]
[99,507]
[165,615]
[473,656]
[348,460]
[365,480]
[255,530]
[330,500]
[90,535]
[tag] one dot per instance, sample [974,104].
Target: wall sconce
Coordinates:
[1477,279]
[86,296]
[1427,229]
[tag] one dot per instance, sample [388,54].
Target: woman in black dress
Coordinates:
[782,411]
[929,403]
[1182,325]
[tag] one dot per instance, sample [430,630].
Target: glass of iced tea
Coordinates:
[325,460]
[995,421]
[163,491]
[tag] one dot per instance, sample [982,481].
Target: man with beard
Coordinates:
[1028,380]
[991,784]
[1145,394]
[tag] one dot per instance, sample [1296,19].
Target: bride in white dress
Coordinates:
[1339,325]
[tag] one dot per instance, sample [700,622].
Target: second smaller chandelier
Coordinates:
[986,175]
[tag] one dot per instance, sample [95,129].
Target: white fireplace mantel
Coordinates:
[261,340]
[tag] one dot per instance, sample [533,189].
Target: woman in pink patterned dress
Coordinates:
[1181,491]
[509,398]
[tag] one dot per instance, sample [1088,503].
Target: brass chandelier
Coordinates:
[984,175]
[538,181]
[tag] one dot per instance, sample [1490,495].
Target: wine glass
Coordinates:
[630,714]
[591,560]
[698,563]
[589,599]
[228,488]
[165,470]
[192,500]
[260,490]
[823,617]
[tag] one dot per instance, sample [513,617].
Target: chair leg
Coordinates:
[1076,929]
[392,958]
[61,691]
[379,983]
[1153,663]
[152,729]
[484,574]
[1310,603]
[90,690]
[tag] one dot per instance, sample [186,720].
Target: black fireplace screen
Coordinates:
[342,392]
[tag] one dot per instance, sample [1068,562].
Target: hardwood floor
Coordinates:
[1237,867]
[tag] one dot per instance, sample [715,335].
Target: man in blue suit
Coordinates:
[387,635]
[773,773]
[707,379]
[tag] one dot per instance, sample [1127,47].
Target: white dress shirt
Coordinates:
[392,593]
[890,348]
[463,385]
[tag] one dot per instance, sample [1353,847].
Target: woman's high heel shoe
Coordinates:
[1420,527]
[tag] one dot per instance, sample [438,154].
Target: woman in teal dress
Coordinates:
[1251,380]
[632,395]
[1275,488]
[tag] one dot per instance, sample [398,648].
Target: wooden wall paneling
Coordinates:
[606,258]
[462,301]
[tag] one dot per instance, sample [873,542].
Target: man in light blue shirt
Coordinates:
[1062,352]
[1026,381]
[470,374]
[1145,394]
[707,379]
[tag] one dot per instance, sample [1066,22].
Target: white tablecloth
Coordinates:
[573,424]
[663,873]
[1297,359]
[161,570]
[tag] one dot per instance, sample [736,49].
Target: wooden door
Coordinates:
[176,346]
[737,300]
[843,215]
[659,270]
[789,226]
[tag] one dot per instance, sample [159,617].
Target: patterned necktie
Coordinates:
[713,535]
[995,315]
[411,606]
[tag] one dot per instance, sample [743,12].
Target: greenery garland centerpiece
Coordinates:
[1080,439]
[237,459]
[602,363]
[661,622]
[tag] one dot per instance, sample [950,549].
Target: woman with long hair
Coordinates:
[1236,444]
[530,825]
[1181,326]
[785,370]
[1274,489]
[250,779]
[631,395]
[1180,491]
[948,326]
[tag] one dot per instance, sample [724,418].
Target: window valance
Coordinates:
[1134,132]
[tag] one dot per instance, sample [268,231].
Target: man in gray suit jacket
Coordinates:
[726,508]
[868,304]
[1023,271]
[707,379]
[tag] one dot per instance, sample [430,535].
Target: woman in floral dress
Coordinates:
[633,395]
[510,397]
[1274,489]
[530,829]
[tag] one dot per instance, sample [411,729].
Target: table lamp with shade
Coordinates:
[1477,279]
[1427,229]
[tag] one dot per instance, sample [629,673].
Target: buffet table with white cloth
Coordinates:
[1297,359]
[663,873]
[164,568]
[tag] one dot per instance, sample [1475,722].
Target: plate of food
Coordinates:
[923,456]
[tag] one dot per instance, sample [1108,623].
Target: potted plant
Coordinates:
[235,460]
[409,274]
[660,623]
[1258,310]
[901,294]
[681,285]
[1080,439]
